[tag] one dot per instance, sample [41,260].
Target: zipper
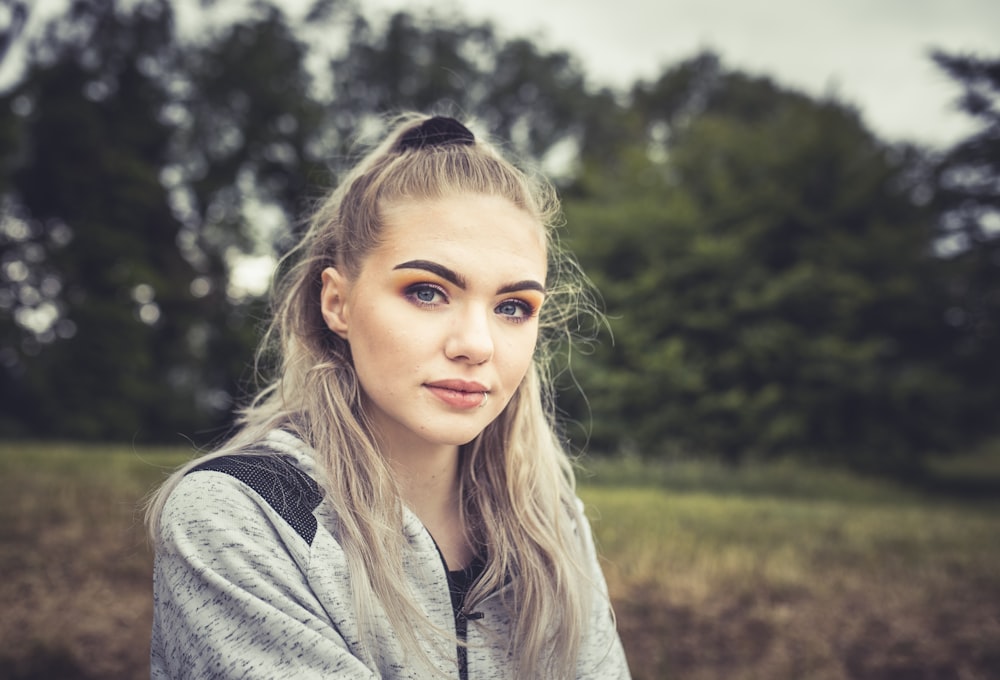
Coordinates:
[461,619]
[462,632]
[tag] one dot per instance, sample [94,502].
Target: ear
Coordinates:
[333,301]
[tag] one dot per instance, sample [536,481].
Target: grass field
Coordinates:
[761,573]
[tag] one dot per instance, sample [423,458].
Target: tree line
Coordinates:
[778,279]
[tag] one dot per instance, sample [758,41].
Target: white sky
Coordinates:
[870,53]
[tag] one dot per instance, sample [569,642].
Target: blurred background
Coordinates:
[792,211]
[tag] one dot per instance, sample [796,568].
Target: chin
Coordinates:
[462,440]
[457,437]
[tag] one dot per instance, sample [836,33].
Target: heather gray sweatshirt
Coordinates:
[250,582]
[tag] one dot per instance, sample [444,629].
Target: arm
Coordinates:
[231,598]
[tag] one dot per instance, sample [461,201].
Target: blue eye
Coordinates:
[425,294]
[516,310]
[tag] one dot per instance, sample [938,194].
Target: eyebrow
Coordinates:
[457,279]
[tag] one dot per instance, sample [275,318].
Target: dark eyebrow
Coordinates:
[459,280]
[522,285]
[435,268]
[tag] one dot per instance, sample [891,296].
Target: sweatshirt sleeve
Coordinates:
[230,591]
[602,656]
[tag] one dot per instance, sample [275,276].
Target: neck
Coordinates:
[428,482]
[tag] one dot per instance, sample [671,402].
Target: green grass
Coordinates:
[787,571]
[767,571]
[784,479]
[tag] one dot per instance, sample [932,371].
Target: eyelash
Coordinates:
[411,293]
[526,309]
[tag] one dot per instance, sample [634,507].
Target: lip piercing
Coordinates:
[486,397]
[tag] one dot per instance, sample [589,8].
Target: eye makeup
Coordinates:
[426,295]
[457,279]
[521,308]
[415,287]
[427,286]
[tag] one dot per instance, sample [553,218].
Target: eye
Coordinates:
[425,294]
[515,310]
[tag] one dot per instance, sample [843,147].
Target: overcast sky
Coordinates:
[871,53]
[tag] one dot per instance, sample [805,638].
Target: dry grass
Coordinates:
[752,586]
[75,599]
[826,578]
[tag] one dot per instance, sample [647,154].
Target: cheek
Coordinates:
[386,344]
[519,355]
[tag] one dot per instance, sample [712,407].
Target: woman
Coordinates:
[396,504]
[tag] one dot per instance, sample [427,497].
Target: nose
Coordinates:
[471,337]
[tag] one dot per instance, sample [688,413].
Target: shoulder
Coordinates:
[276,478]
[226,488]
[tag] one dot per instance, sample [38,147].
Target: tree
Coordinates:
[534,98]
[94,282]
[138,168]
[136,171]
[16,12]
[768,276]
[967,197]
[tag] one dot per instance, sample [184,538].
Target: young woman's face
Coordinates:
[442,318]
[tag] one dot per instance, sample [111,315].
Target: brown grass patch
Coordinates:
[705,585]
[76,597]
[764,589]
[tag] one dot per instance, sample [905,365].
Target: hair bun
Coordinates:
[436,131]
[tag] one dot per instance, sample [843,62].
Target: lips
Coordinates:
[459,394]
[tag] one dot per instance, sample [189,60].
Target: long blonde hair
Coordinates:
[516,479]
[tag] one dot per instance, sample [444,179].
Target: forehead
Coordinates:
[469,231]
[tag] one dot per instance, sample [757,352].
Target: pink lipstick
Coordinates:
[459,394]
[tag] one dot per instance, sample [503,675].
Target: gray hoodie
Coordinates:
[250,582]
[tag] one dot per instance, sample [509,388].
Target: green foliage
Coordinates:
[770,284]
[780,282]
[967,198]
[530,98]
[138,168]
[99,293]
